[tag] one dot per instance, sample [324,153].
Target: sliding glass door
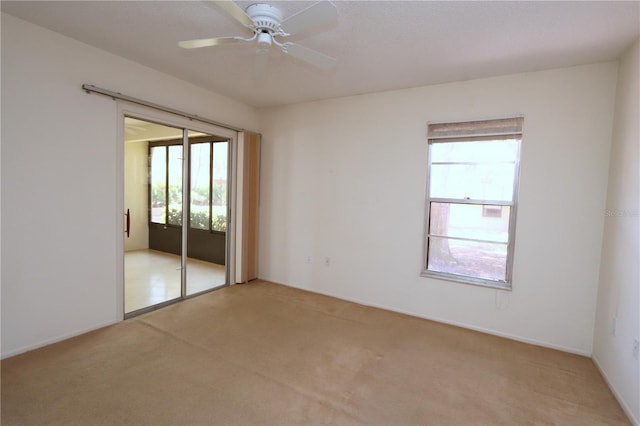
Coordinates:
[208,212]
[185,199]
[153,188]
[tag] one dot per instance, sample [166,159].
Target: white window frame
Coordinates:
[502,128]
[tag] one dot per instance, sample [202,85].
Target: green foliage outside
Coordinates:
[175,216]
[199,220]
[219,223]
[200,196]
[158,196]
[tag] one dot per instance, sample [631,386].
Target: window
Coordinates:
[158,178]
[207,183]
[199,210]
[472,189]
[208,209]
[219,187]
[166,184]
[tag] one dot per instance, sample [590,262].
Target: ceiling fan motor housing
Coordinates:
[266,18]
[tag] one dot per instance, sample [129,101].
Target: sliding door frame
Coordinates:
[127,109]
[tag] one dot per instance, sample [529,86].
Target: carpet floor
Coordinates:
[264,353]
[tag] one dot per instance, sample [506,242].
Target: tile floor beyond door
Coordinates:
[153,277]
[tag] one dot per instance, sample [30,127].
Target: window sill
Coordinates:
[478,282]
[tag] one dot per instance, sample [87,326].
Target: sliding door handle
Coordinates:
[127,229]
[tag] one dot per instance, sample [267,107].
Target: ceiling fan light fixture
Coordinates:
[264,42]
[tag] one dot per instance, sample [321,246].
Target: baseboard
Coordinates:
[618,397]
[54,340]
[449,322]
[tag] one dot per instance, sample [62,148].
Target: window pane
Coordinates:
[470,221]
[468,258]
[483,151]
[474,181]
[158,177]
[175,185]
[200,178]
[219,201]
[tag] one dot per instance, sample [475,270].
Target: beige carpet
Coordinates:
[267,354]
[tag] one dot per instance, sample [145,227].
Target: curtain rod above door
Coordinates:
[115,95]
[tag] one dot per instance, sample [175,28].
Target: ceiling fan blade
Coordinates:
[260,63]
[314,16]
[310,56]
[234,11]
[207,42]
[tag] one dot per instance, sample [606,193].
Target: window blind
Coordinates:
[498,127]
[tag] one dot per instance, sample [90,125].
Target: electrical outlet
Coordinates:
[309,260]
[636,348]
[327,261]
[614,325]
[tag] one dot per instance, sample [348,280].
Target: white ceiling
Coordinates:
[145,131]
[380,45]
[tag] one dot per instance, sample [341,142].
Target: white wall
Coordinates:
[345,179]
[59,183]
[618,293]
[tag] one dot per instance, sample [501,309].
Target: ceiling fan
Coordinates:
[269,28]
